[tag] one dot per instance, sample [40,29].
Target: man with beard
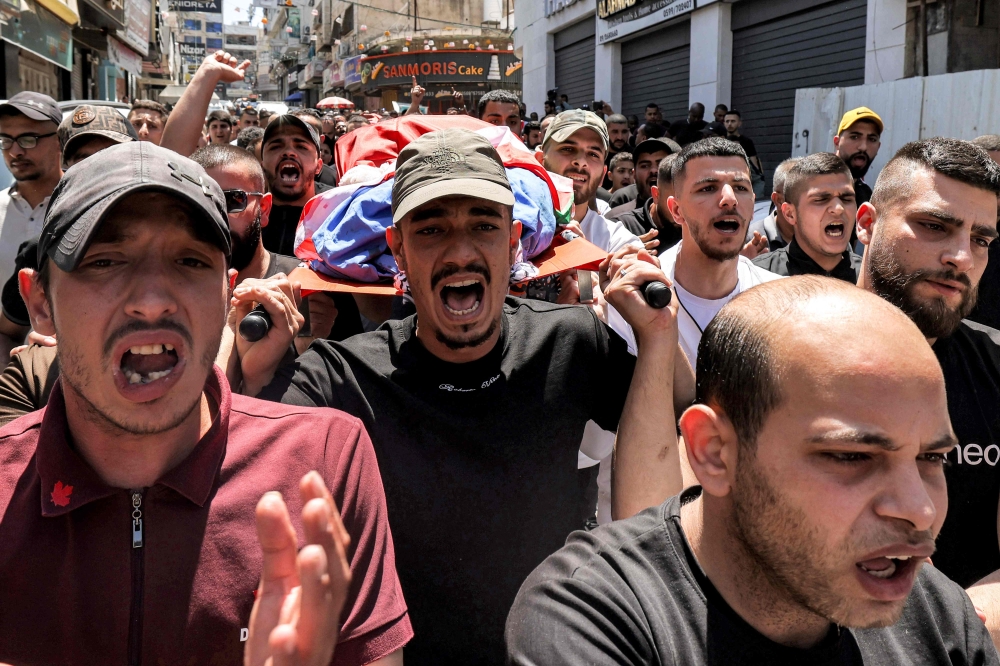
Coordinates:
[857,142]
[290,153]
[820,206]
[928,228]
[822,487]
[476,503]
[712,203]
[327,174]
[532,134]
[648,155]
[618,136]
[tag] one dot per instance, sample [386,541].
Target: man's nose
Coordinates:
[728,196]
[151,298]
[959,254]
[906,497]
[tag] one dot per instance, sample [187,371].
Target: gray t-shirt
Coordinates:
[632,593]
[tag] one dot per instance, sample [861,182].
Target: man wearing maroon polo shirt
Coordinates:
[127,505]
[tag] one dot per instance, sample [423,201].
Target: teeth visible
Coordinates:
[901,557]
[884,573]
[134,378]
[467,283]
[459,313]
[168,347]
[145,350]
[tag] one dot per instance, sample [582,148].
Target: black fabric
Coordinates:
[746,143]
[862,193]
[13,305]
[631,592]
[967,546]
[624,195]
[279,234]
[640,221]
[603,194]
[793,260]
[478,460]
[348,321]
[987,310]
[327,176]
[684,132]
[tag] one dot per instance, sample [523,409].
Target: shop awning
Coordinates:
[38,30]
[66,10]
[294,97]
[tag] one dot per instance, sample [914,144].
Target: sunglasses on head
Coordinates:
[237,200]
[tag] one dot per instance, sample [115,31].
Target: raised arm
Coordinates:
[185,123]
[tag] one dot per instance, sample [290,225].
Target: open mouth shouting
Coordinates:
[289,172]
[728,225]
[834,230]
[463,298]
[888,575]
[148,364]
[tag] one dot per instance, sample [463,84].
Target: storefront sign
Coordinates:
[438,67]
[352,71]
[123,57]
[295,23]
[191,50]
[36,29]
[136,32]
[207,6]
[333,75]
[553,6]
[618,18]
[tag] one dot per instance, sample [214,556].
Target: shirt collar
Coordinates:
[809,266]
[68,482]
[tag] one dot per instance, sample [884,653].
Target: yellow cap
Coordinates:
[860,113]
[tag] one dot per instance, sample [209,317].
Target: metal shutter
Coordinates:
[656,68]
[574,52]
[776,51]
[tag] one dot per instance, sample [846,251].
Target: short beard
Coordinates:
[245,246]
[859,172]
[889,280]
[706,248]
[465,343]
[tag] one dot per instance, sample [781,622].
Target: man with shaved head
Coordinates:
[928,227]
[821,471]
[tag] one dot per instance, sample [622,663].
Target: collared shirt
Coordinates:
[793,260]
[18,222]
[83,582]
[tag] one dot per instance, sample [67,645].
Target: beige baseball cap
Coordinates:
[569,122]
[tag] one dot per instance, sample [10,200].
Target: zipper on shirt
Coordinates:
[135,614]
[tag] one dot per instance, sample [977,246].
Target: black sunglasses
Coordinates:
[237,200]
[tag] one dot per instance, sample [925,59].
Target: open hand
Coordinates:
[755,247]
[296,617]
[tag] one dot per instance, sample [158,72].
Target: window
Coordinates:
[348,25]
[192,24]
[213,27]
[192,39]
[241,40]
[213,43]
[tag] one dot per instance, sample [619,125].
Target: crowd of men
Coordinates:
[792,462]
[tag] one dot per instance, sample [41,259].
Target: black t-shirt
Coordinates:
[987,309]
[862,193]
[684,132]
[747,144]
[279,234]
[478,460]
[624,195]
[632,592]
[793,260]
[967,546]
[640,221]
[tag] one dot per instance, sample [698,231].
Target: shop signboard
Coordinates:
[352,71]
[295,23]
[123,57]
[36,29]
[205,6]
[333,75]
[191,50]
[136,32]
[440,67]
[618,18]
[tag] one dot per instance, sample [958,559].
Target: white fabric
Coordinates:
[698,312]
[603,206]
[18,222]
[606,234]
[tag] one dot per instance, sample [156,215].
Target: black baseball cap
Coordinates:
[286,120]
[653,145]
[87,120]
[34,105]
[448,162]
[83,197]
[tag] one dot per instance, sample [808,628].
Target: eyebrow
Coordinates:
[427,214]
[877,440]
[483,211]
[951,220]
[737,178]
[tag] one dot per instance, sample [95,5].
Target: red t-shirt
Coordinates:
[75,589]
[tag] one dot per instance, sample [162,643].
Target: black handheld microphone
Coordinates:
[656,294]
[255,325]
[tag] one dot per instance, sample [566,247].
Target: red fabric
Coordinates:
[66,567]
[381,143]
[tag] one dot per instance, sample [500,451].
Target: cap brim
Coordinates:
[566,132]
[26,110]
[72,246]
[466,187]
[118,137]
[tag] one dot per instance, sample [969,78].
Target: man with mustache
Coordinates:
[478,403]
[857,142]
[292,158]
[821,488]
[928,228]
[135,495]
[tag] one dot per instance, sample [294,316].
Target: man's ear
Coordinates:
[655,192]
[789,212]
[540,155]
[777,198]
[515,238]
[865,226]
[836,141]
[712,448]
[265,209]
[394,239]
[36,300]
[674,207]
[319,164]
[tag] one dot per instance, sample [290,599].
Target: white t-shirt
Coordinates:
[609,235]
[695,313]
